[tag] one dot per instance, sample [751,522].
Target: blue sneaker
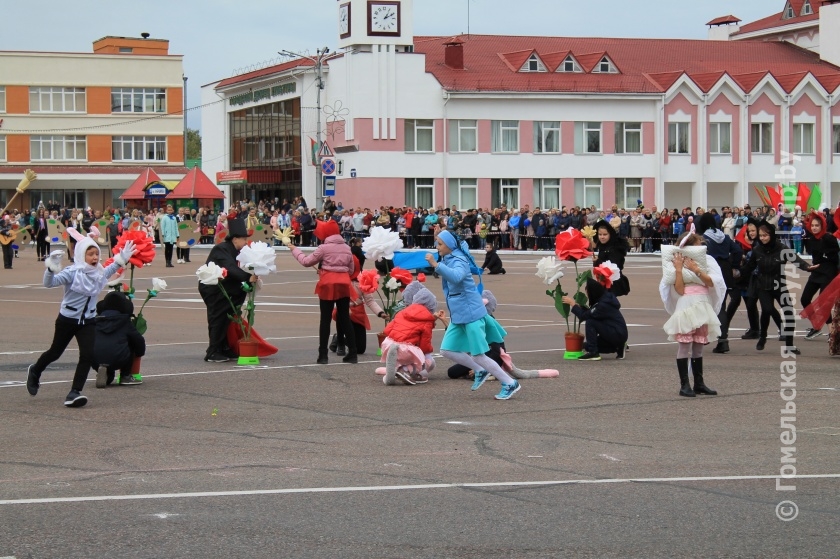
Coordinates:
[480,377]
[508,390]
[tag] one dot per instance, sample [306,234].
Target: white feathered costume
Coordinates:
[691,311]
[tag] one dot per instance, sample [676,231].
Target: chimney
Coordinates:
[454,53]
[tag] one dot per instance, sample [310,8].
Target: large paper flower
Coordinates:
[144,248]
[392,284]
[402,276]
[606,273]
[158,285]
[117,278]
[210,273]
[382,243]
[571,245]
[548,270]
[369,281]
[258,258]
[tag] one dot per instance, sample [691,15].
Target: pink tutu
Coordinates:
[409,356]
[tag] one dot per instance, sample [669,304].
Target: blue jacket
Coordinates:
[462,297]
[169,228]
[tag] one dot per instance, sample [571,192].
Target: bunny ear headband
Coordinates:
[690,232]
[94,233]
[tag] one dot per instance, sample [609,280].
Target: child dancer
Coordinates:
[407,348]
[610,247]
[117,341]
[823,248]
[471,330]
[358,316]
[693,309]
[82,283]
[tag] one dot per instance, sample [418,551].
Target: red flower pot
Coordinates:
[135,366]
[380,336]
[574,342]
[248,348]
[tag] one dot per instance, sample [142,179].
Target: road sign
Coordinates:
[352,173]
[329,186]
[328,166]
[325,151]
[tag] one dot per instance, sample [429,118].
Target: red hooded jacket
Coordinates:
[413,325]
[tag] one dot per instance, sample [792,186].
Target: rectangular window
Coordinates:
[587,137]
[504,191]
[720,138]
[464,193]
[2,147]
[546,137]
[57,100]
[678,143]
[138,100]
[463,136]
[628,192]
[836,139]
[142,148]
[548,195]
[58,148]
[420,193]
[803,139]
[628,137]
[762,137]
[2,99]
[505,136]
[419,136]
[588,192]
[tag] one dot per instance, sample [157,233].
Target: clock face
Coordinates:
[384,18]
[344,20]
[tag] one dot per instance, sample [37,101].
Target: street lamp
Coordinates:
[319,76]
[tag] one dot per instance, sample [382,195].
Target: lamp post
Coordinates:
[185,119]
[319,77]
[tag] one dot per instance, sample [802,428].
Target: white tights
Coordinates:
[693,350]
[478,363]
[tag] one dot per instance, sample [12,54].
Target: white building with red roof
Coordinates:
[481,121]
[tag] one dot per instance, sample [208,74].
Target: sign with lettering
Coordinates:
[232,177]
[260,94]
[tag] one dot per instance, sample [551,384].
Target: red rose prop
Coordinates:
[571,245]
[144,248]
[368,281]
[603,275]
[421,277]
[401,275]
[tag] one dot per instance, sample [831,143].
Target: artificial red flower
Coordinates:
[144,248]
[606,273]
[421,277]
[224,272]
[368,281]
[126,288]
[571,245]
[401,275]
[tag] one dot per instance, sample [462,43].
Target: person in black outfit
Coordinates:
[492,262]
[218,308]
[727,253]
[741,291]
[606,329]
[610,246]
[823,248]
[8,251]
[117,340]
[39,232]
[356,249]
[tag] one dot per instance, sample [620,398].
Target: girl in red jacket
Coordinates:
[407,349]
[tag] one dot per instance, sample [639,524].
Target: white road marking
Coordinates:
[608,457]
[352,489]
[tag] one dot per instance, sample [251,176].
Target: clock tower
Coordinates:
[366,23]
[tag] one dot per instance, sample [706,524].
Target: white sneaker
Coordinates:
[180,261]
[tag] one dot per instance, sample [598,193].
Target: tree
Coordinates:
[193,144]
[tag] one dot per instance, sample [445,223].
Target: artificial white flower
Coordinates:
[549,270]
[210,274]
[392,284]
[158,285]
[382,243]
[616,273]
[258,258]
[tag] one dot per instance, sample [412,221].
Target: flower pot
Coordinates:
[574,345]
[248,352]
[380,337]
[135,366]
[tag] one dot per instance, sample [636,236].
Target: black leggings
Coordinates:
[167,252]
[767,299]
[811,288]
[359,334]
[343,324]
[65,330]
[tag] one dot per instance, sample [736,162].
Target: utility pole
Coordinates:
[319,77]
[185,119]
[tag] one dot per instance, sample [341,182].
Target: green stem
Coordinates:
[131,281]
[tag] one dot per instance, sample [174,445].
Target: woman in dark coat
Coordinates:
[610,247]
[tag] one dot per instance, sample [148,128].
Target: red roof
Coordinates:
[723,20]
[195,186]
[778,20]
[276,69]
[646,66]
[706,81]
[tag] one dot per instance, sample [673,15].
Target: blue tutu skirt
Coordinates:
[473,338]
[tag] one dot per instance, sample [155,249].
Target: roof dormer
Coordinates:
[533,64]
[570,65]
[605,66]
[806,8]
[788,12]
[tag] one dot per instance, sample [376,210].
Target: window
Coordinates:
[605,67]
[789,12]
[419,136]
[803,139]
[836,139]
[546,137]
[463,136]
[588,192]
[587,137]
[3,146]
[505,136]
[720,138]
[464,193]
[678,138]
[570,65]
[627,192]
[141,148]
[138,100]
[2,99]
[534,64]
[762,137]
[56,100]
[628,137]
[807,9]
[420,193]
[548,193]
[504,191]
[58,148]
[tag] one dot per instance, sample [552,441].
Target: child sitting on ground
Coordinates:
[407,348]
[492,262]
[117,341]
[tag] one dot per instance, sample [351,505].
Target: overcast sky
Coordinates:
[218,37]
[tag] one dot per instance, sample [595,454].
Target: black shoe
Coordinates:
[32,381]
[101,376]
[333,342]
[781,337]
[75,399]
[340,351]
[230,354]
[170,265]
[322,360]
[721,347]
[351,358]
[685,386]
[699,386]
[217,358]
[750,335]
[588,356]
[621,353]
[761,343]
[792,349]
[812,334]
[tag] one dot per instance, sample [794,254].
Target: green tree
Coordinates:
[193,144]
